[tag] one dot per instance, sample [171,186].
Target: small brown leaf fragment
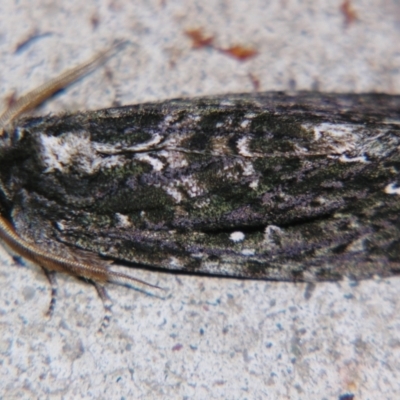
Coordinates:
[240,52]
[349,12]
[199,38]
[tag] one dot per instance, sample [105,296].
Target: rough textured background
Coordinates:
[208,338]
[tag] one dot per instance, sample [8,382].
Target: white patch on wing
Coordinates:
[243,146]
[174,262]
[188,184]
[345,141]
[73,150]
[230,171]
[106,148]
[337,138]
[254,184]
[59,151]
[248,252]
[123,220]
[191,186]
[169,118]
[334,130]
[173,192]
[173,141]
[174,159]
[156,139]
[392,189]
[248,168]
[226,103]
[345,159]
[154,162]
[245,123]
[237,236]
[197,255]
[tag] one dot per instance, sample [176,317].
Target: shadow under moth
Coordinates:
[277,186]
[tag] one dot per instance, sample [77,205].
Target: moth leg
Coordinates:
[51,277]
[107,304]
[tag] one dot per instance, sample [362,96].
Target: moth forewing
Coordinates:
[167,184]
[297,187]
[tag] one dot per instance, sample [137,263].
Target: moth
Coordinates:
[281,186]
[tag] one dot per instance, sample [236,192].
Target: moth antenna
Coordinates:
[37,96]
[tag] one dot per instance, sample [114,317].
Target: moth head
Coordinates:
[10,136]
[5,140]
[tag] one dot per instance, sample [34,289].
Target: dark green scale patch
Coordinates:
[93,221]
[131,168]
[125,200]
[226,118]
[198,141]
[282,127]
[272,144]
[276,170]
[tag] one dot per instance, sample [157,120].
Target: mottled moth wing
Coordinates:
[274,186]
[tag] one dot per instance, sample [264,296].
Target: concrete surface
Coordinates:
[208,338]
